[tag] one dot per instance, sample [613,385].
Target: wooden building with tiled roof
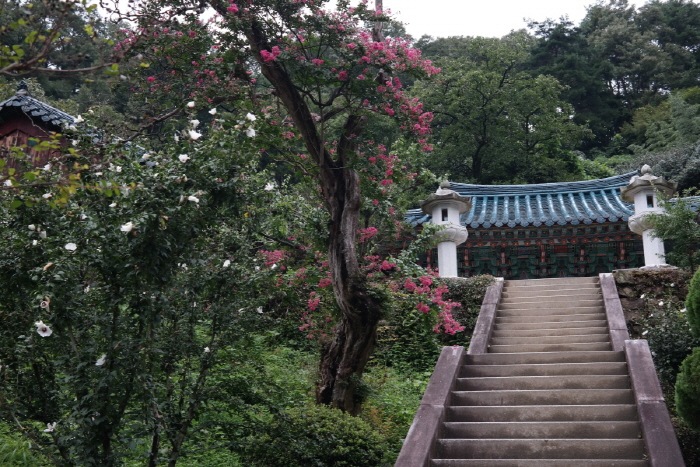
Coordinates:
[544,230]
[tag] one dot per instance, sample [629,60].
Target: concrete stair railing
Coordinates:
[550,379]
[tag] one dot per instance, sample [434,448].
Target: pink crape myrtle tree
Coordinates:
[312,73]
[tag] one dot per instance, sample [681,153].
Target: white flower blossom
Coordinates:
[250,132]
[194,135]
[212,111]
[101,361]
[128,227]
[70,246]
[251,117]
[194,123]
[79,119]
[274,266]
[270,186]
[190,104]
[113,205]
[74,142]
[42,329]
[44,304]
[176,138]
[645,333]
[42,234]
[183,157]
[31,227]
[683,310]
[194,199]
[50,427]
[46,168]
[207,350]
[146,156]
[643,295]
[259,309]
[35,242]
[8,182]
[47,195]
[661,303]
[227,263]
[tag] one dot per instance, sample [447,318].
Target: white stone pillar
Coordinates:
[445,207]
[642,191]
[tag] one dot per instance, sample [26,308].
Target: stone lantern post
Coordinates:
[446,206]
[642,192]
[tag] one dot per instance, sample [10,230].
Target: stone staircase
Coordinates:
[549,391]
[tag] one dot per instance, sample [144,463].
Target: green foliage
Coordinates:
[316,436]
[496,123]
[688,390]
[16,451]
[679,225]
[692,304]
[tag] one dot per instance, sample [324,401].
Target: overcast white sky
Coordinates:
[489,18]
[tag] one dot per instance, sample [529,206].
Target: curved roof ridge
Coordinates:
[36,108]
[616,181]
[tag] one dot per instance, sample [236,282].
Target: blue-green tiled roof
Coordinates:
[547,204]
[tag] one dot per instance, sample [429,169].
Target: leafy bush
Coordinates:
[692,304]
[670,339]
[688,390]
[317,436]
[16,451]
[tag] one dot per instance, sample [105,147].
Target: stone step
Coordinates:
[582,315]
[543,357]
[542,397]
[508,292]
[540,448]
[548,347]
[550,339]
[542,413]
[550,332]
[538,463]
[553,282]
[552,430]
[520,326]
[544,369]
[495,383]
[543,311]
[565,303]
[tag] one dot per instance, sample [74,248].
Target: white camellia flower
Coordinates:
[176,138]
[270,186]
[128,227]
[194,199]
[227,263]
[35,242]
[50,427]
[47,195]
[183,157]
[146,156]
[113,205]
[42,234]
[42,329]
[251,117]
[212,111]
[8,182]
[259,309]
[101,361]
[190,104]
[70,246]
[194,123]
[79,119]
[46,168]
[31,227]
[207,350]
[661,303]
[683,310]
[194,134]
[250,132]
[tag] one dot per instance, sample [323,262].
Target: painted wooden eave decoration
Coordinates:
[585,202]
[23,102]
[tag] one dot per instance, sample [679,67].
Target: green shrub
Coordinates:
[16,451]
[317,437]
[688,390]
[692,304]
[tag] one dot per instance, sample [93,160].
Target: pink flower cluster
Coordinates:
[270,56]
[366,234]
[273,257]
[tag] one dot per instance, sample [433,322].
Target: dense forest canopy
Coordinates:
[235,177]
